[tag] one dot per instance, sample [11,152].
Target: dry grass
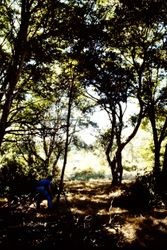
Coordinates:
[145,228]
[86,217]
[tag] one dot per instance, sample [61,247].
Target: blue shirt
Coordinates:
[45,182]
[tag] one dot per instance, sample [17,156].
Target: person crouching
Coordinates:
[44,192]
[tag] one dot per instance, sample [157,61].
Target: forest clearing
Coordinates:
[89,216]
[82,80]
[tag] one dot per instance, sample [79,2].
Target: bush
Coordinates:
[141,194]
[13,179]
[88,174]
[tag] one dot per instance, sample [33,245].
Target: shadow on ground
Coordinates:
[85,219]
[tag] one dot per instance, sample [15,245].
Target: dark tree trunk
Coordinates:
[156,168]
[163,183]
[117,168]
[66,143]
[116,163]
[15,68]
[164,169]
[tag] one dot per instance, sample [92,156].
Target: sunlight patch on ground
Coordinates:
[116,193]
[99,198]
[102,212]
[3,201]
[75,210]
[118,210]
[129,231]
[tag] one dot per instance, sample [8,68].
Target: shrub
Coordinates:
[13,179]
[88,174]
[141,194]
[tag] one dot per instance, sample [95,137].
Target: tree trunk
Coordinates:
[114,172]
[116,163]
[164,172]
[119,166]
[164,169]
[156,168]
[117,169]
[15,68]
[66,143]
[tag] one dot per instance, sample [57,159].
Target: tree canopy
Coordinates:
[61,59]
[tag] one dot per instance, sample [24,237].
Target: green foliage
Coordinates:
[14,180]
[130,168]
[133,119]
[115,48]
[145,191]
[142,194]
[87,174]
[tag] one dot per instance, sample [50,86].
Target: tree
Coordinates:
[117,62]
[147,42]
[31,39]
[108,73]
[138,41]
[74,95]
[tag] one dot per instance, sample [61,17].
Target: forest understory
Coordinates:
[91,215]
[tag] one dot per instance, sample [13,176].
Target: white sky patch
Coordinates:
[89,135]
[101,118]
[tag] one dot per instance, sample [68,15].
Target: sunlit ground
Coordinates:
[92,203]
[92,198]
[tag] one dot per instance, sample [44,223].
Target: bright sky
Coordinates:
[89,135]
[101,118]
